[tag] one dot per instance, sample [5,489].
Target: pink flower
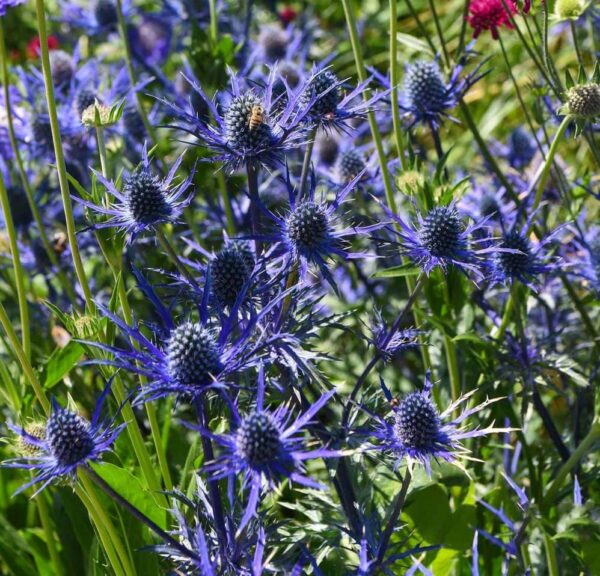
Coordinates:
[492,15]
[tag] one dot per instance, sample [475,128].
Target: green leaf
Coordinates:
[397,271]
[61,362]
[130,488]
[414,44]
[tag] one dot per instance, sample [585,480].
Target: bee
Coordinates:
[394,403]
[256,117]
[59,243]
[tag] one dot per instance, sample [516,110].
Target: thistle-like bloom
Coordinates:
[307,233]
[6,4]
[327,105]
[492,15]
[145,201]
[67,442]
[417,431]
[442,239]
[206,556]
[523,260]
[230,273]
[428,98]
[265,447]
[251,130]
[185,358]
[583,101]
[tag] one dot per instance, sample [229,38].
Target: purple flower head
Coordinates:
[66,442]
[151,38]
[329,107]
[145,200]
[442,239]
[308,233]
[186,357]
[247,127]
[266,446]
[419,432]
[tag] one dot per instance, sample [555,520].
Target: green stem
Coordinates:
[485,151]
[545,172]
[103,519]
[394,79]
[586,445]
[131,72]
[17,269]
[438,29]
[452,361]
[102,533]
[551,558]
[42,507]
[102,151]
[60,159]
[23,174]
[214,22]
[362,76]
[576,43]
[510,304]
[306,162]
[226,203]
[23,360]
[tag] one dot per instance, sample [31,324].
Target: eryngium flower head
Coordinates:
[523,260]
[106,13]
[442,239]
[265,447]
[257,126]
[349,165]
[326,105]
[145,201]
[308,233]
[274,43]
[62,67]
[417,430]
[192,355]
[427,97]
[583,101]
[68,441]
[230,273]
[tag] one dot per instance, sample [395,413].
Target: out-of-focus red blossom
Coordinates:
[492,15]
[288,14]
[33,46]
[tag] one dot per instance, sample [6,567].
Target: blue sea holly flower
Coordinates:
[308,232]
[523,260]
[442,239]
[145,201]
[186,358]
[266,446]
[329,107]
[66,442]
[418,432]
[247,129]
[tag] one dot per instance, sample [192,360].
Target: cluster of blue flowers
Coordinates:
[206,218]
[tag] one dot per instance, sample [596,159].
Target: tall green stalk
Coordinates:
[362,76]
[394,79]
[17,269]
[60,158]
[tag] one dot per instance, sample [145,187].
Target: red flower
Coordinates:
[492,15]
[33,46]
[287,15]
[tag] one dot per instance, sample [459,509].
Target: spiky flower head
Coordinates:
[416,429]
[106,13]
[349,165]
[442,238]
[62,67]
[245,123]
[515,264]
[66,442]
[424,86]
[230,272]
[192,355]
[265,447]
[324,91]
[85,98]
[583,101]
[274,42]
[308,227]
[145,201]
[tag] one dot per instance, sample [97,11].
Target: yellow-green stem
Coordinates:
[394,79]
[17,268]
[60,159]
